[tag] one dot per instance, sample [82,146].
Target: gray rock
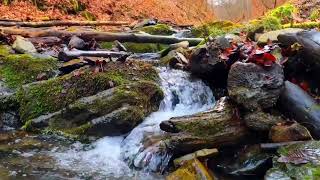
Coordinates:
[23,45]
[77,43]
[255,87]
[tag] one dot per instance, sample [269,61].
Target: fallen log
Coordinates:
[99,36]
[62,23]
[67,55]
[300,106]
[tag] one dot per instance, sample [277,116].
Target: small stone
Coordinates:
[76,42]
[289,131]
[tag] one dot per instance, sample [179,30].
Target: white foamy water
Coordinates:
[115,157]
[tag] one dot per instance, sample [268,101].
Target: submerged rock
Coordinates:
[112,112]
[218,127]
[255,87]
[298,161]
[23,45]
[249,161]
[192,169]
[289,131]
[261,121]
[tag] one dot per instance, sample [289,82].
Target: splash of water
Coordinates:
[109,156]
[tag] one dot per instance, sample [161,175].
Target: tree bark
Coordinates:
[99,36]
[63,23]
[298,105]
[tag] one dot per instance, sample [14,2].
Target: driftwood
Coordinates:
[274,146]
[67,55]
[99,36]
[301,107]
[62,23]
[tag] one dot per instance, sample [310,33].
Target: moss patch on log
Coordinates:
[214,29]
[54,94]
[159,29]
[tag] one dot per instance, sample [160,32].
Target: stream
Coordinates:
[183,96]
[125,157]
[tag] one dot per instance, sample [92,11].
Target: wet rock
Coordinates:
[289,131]
[205,63]
[298,161]
[218,127]
[273,35]
[300,106]
[77,43]
[175,60]
[222,42]
[72,65]
[254,86]
[308,61]
[119,46]
[249,161]
[201,154]
[193,169]
[146,22]
[23,45]
[181,47]
[111,112]
[261,121]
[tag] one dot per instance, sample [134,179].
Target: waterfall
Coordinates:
[119,157]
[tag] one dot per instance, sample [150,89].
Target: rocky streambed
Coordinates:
[229,108]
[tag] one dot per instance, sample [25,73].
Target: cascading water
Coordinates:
[112,156]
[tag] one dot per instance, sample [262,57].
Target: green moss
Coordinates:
[81,130]
[19,69]
[305,25]
[315,15]
[159,29]
[55,94]
[215,29]
[284,13]
[106,45]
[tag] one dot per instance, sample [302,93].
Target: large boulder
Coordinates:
[218,127]
[297,161]
[112,112]
[255,87]
[23,45]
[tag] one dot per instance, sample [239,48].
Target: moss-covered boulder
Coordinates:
[273,35]
[19,69]
[54,94]
[159,29]
[111,112]
[297,161]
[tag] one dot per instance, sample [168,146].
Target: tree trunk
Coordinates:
[301,107]
[67,55]
[99,36]
[63,23]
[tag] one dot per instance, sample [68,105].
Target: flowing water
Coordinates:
[115,157]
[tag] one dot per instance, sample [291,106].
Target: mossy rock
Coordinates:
[54,94]
[159,29]
[19,69]
[309,169]
[305,25]
[214,29]
[137,47]
[111,112]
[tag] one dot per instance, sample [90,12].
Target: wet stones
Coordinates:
[255,87]
[22,45]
